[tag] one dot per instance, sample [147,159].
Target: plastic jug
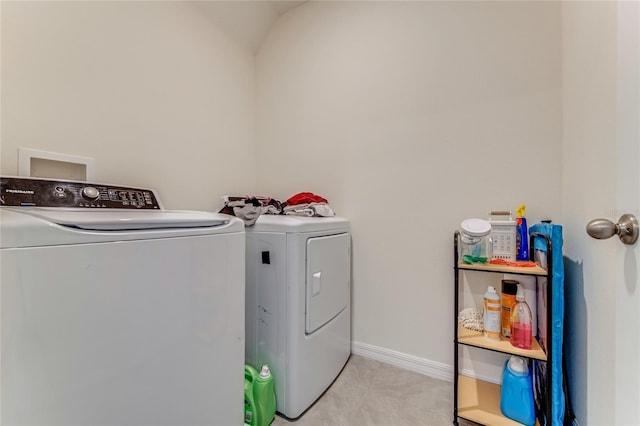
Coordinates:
[516,394]
[259,396]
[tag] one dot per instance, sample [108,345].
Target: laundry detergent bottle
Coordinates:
[516,392]
[259,396]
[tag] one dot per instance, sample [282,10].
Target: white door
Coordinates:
[601,160]
[627,348]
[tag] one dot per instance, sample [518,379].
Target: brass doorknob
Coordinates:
[627,229]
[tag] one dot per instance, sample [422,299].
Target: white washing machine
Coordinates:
[298,304]
[116,311]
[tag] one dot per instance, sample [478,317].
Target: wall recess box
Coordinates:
[44,164]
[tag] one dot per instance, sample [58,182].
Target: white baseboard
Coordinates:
[430,368]
[413,363]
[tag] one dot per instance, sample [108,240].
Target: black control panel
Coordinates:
[33,192]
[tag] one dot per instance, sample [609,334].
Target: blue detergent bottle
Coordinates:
[516,395]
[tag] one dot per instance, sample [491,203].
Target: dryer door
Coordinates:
[327,279]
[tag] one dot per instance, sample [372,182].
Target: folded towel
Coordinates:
[304,198]
[309,209]
[294,211]
[322,209]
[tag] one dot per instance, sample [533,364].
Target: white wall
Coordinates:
[410,117]
[155,92]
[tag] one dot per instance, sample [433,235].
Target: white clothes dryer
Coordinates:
[298,304]
[116,311]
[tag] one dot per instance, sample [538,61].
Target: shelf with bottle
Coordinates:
[475,338]
[479,401]
[503,269]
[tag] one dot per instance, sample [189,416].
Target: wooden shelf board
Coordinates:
[479,401]
[487,267]
[475,338]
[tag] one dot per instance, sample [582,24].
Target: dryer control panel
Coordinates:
[35,192]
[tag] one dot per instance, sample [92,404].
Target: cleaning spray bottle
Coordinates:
[522,235]
[259,396]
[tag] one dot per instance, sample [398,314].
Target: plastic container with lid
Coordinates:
[475,241]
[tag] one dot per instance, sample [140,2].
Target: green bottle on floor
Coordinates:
[259,396]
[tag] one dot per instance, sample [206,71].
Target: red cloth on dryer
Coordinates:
[305,198]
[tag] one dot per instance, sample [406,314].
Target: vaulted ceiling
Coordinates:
[246,21]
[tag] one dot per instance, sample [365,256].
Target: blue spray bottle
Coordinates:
[522,234]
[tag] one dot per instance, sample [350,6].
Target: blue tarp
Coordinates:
[554,232]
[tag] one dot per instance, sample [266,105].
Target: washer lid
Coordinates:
[295,224]
[127,220]
[36,226]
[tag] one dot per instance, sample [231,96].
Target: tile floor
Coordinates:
[373,393]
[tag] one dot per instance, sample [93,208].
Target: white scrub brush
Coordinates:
[471,318]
